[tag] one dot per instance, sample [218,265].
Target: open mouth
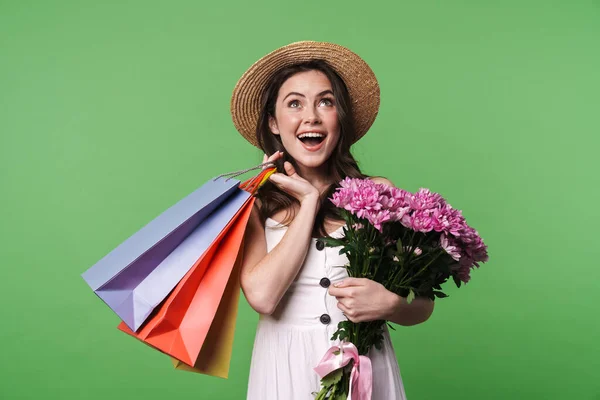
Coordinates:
[311,139]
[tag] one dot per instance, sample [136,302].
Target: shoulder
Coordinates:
[381,179]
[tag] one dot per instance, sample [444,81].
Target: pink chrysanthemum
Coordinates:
[423,211]
[422,221]
[359,196]
[377,218]
[424,199]
[463,273]
[449,245]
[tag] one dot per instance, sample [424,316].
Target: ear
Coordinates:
[273,125]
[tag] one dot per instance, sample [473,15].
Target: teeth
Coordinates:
[310,134]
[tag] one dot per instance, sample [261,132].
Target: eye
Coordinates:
[294,103]
[327,101]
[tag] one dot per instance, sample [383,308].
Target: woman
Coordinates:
[304,105]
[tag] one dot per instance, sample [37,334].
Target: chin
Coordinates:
[312,162]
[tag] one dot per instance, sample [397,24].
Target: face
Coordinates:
[306,118]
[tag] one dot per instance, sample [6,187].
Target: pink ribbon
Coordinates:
[361,377]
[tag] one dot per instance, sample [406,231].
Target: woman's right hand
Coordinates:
[292,183]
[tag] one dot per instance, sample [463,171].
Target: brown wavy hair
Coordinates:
[341,162]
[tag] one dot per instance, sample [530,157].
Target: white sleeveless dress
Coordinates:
[292,340]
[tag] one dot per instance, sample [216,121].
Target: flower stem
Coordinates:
[422,269]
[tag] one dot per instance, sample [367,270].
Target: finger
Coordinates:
[346,303]
[276,178]
[340,293]
[280,180]
[348,313]
[289,168]
[349,282]
[280,177]
[273,157]
[342,307]
[276,155]
[265,159]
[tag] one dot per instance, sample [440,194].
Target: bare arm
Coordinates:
[265,277]
[402,313]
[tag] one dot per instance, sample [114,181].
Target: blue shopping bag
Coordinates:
[139,273]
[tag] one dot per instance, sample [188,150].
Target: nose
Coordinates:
[312,116]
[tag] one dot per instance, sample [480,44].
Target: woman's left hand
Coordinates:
[363,300]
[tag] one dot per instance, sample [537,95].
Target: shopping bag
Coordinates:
[137,275]
[182,323]
[215,356]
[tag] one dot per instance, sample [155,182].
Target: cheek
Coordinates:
[332,125]
[287,121]
[331,119]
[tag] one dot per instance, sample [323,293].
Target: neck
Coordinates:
[318,177]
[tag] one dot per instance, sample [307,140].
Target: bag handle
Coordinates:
[253,184]
[243,171]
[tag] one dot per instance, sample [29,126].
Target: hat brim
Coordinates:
[357,75]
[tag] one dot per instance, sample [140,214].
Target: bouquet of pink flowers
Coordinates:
[411,243]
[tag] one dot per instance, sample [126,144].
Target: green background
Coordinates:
[111,111]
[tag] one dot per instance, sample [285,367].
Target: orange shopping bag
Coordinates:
[215,355]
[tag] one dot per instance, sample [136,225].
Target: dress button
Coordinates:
[325,282]
[325,319]
[320,245]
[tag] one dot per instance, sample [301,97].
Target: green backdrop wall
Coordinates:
[112,111]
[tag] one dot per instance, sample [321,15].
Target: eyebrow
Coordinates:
[324,92]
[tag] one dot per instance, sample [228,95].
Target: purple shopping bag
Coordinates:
[139,273]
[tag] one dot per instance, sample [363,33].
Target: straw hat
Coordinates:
[357,75]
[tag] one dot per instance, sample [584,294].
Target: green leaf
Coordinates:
[322,395]
[341,333]
[456,280]
[440,295]
[411,296]
[333,377]
[332,242]
[399,246]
